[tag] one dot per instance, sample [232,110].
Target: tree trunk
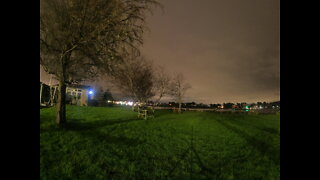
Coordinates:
[41,92]
[61,104]
[179,110]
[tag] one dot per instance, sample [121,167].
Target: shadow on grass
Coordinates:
[97,136]
[89,137]
[79,125]
[187,155]
[265,129]
[263,147]
[91,130]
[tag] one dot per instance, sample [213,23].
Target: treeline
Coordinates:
[243,105]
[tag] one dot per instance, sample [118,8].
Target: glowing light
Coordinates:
[90,92]
[127,103]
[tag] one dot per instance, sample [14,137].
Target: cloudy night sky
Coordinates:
[228,50]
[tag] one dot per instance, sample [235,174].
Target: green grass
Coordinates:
[111,143]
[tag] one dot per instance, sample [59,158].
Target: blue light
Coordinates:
[90,92]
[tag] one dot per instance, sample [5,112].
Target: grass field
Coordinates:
[111,143]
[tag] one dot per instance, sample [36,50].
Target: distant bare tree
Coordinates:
[162,82]
[178,88]
[134,77]
[78,37]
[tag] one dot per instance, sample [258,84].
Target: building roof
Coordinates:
[79,86]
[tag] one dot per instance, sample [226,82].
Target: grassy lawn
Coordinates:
[111,143]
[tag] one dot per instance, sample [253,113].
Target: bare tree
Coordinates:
[162,82]
[79,37]
[178,88]
[134,77]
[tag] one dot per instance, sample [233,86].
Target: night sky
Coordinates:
[228,50]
